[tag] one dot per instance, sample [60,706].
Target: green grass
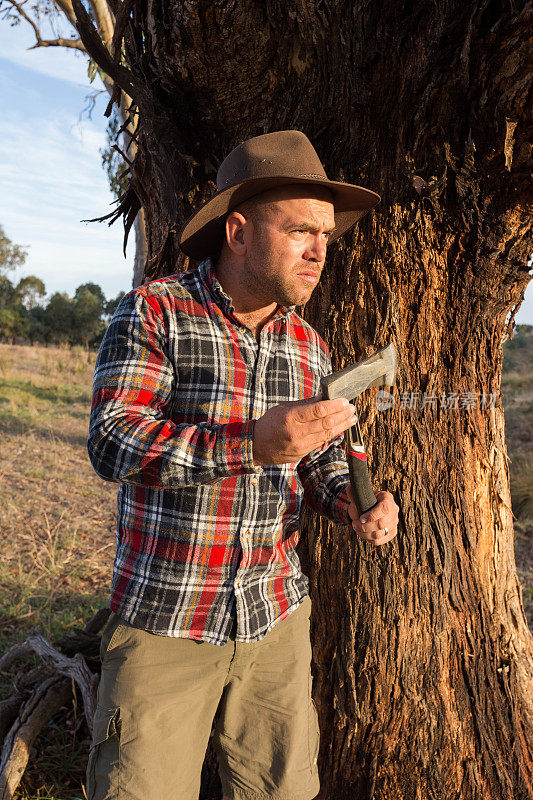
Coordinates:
[62,763]
[29,403]
[40,585]
[516,380]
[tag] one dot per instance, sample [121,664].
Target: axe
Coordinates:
[376,370]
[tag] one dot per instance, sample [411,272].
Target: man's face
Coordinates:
[287,241]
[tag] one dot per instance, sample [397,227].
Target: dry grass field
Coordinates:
[57,526]
[57,522]
[56,515]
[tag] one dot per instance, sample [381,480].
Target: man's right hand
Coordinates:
[289,431]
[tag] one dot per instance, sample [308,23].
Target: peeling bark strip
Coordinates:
[36,712]
[422,655]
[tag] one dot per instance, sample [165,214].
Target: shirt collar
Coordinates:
[208,276]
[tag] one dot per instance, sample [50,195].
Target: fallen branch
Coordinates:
[14,654]
[74,668]
[39,709]
[9,709]
[41,691]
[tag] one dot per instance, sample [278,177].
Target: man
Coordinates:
[206,410]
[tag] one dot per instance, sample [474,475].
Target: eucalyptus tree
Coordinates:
[423,660]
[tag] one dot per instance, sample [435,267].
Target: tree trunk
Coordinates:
[423,659]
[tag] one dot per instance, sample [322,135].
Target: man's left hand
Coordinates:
[384,515]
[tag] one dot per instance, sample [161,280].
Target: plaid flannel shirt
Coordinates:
[204,536]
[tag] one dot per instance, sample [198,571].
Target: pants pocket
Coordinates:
[316,743]
[104,756]
[313,728]
[111,634]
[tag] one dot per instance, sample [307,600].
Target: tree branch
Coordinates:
[122,17]
[98,51]
[51,695]
[66,7]
[23,14]
[75,668]
[102,14]
[76,44]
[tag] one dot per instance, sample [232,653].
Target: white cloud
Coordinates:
[51,179]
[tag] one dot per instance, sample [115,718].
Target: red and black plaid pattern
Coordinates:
[203,535]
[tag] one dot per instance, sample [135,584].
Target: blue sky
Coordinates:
[50,170]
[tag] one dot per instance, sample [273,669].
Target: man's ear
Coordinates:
[236,225]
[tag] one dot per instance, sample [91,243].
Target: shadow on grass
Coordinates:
[53,617]
[12,424]
[52,394]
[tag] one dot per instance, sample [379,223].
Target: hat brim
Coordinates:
[202,234]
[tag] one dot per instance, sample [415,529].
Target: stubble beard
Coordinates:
[270,287]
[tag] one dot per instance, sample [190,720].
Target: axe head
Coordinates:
[376,370]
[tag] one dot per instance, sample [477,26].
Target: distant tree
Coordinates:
[58,318]
[112,305]
[37,327]
[8,293]
[31,290]
[95,290]
[16,300]
[12,312]
[64,320]
[87,309]
[11,255]
[13,323]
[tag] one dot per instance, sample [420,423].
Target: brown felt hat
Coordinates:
[261,163]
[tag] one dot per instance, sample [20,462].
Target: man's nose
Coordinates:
[317,248]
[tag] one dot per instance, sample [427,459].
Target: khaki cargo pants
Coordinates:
[158,697]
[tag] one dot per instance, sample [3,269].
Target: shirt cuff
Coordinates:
[342,506]
[239,448]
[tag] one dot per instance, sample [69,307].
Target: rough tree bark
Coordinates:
[423,660]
